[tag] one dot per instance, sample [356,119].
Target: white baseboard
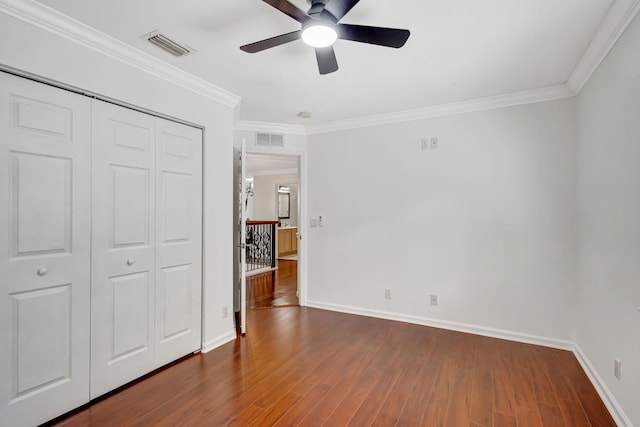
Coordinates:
[610,402]
[218,341]
[607,397]
[445,324]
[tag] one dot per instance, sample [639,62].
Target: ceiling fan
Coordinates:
[320,29]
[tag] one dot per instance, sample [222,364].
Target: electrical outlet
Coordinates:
[617,366]
[225,312]
[434,143]
[387,293]
[433,299]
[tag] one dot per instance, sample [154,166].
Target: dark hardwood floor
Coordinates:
[275,288]
[309,367]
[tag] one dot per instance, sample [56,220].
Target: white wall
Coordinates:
[486,221]
[34,50]
[609,202]
[265,197]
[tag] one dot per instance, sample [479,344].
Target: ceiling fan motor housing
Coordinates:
[317,11]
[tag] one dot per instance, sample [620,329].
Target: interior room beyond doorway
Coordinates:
[272,194]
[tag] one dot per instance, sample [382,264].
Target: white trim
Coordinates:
[218,341]
[480,104]
[51,20]
[452,326]
[615,22]
[607,397]
[265,127]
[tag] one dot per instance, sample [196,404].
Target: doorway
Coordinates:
[272,194]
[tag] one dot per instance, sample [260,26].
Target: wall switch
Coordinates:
[225,312]
[433,299]
[313,223]
[387,293]
[434,143]
[617,366]
[424,144]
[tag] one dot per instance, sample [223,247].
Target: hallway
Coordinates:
[276,288]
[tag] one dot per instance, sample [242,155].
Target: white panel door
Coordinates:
[123,246]
[179,240]
[45,215]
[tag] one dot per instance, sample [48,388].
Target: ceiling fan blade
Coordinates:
[327,62]
[271,42]
[390,37]
[339,8]
[287,8]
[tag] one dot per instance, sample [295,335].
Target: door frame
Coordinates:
[302,209]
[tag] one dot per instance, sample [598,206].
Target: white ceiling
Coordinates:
[458,50]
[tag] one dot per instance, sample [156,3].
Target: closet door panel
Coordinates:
[44,251]
[123,247]
[179,246]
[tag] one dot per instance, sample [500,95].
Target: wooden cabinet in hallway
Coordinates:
[287,241]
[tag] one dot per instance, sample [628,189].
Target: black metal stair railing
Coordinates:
[261,245]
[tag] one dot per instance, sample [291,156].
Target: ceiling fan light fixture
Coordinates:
[319,34]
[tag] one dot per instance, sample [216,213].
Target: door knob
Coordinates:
[42,271]
[130,261]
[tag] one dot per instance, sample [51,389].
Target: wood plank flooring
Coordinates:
[309,367]
[274,288]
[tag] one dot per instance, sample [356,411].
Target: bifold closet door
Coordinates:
[45,159]
[179,240]
[123,246]
[146,257]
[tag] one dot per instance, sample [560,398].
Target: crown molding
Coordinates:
[265,127]
[616,21]
[480,104]
[618,18]
[51,20]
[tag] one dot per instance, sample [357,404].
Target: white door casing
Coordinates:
[123,246]
[45,160]
[243,237]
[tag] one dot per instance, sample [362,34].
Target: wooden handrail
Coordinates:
[258,222]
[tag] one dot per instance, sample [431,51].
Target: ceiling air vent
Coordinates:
[165,42]
[270,140]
